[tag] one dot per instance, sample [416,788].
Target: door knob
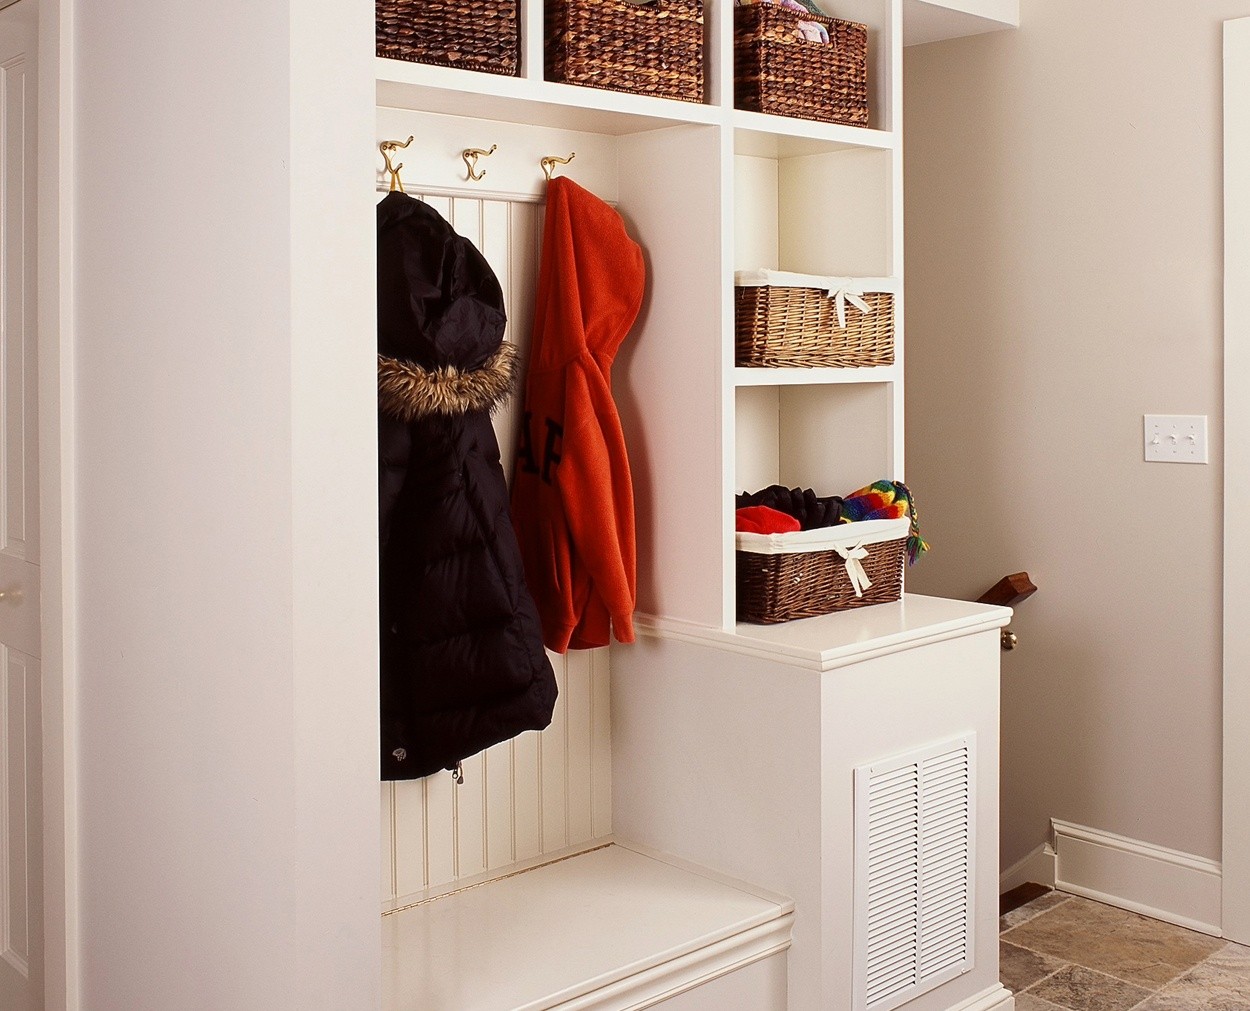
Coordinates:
[11,595]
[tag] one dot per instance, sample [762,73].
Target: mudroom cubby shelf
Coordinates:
[595,819]
[829,438]
[820,376]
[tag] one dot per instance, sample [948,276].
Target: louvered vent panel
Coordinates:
[913,873]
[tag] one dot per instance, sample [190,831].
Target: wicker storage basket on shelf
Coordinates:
[469,34]
[786,576]
[779,72]
[791,321]
[651,48]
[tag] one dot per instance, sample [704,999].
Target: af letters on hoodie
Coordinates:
[572,494]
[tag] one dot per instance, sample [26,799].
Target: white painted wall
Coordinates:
[1064,273]
[224,358]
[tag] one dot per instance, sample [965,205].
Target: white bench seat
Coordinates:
[613,928]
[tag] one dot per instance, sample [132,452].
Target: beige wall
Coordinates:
[1064,267]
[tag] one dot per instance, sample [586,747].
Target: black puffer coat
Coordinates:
[463,665]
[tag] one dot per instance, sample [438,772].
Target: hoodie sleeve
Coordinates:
[597,494]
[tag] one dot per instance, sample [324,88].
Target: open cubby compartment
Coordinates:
[814,209]
[833,439]
[883,21]
[528,803]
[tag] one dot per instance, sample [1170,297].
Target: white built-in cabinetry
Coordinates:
[736,748]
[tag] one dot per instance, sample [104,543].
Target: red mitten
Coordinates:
[763,520]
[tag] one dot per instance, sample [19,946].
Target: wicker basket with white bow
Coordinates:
[801,575]
[786,320]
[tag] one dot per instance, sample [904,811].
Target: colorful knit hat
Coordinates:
[886,500]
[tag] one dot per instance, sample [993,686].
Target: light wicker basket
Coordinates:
[651,48]
[785,320]
[781,577]
[778,72]
[480,35]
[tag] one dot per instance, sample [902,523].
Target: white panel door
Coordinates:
[21,889]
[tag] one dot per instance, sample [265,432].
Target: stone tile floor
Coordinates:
[1064,953]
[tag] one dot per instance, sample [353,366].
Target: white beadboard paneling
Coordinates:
[387,809]
[600,745]
[440,831]
[500,820]
[578,755]
[496,228]
[521,799]
[440,203]
[527,817]
[411,873]
[553,752]
[470,818]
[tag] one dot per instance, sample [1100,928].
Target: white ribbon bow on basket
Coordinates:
[844,292]
[853,556]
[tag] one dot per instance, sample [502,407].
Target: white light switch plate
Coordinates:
[1176,438]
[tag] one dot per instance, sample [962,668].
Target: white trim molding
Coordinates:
[995,998]
[1152,880]
[659,983]
[1236,800]
[1037,866]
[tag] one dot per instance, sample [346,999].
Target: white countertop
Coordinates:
[836,640]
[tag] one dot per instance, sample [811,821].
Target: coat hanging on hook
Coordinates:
[462,659]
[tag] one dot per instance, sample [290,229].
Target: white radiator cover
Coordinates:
[915,826]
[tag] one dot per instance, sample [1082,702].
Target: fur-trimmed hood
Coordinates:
[407,391]
[440,305]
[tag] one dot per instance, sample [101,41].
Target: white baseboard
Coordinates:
[996,998]
[1152,880]
[1037,866]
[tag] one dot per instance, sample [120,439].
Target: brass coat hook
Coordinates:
[551,161]
[386,147]
[471,155]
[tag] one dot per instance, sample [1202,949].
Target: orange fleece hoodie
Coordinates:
[572,495]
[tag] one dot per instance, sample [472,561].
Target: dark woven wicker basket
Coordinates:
[480,35]
[785,327]
[777,588]
[652,48]
[778,72]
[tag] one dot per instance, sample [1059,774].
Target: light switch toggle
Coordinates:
[1175,438]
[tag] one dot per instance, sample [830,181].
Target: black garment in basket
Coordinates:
[804,505]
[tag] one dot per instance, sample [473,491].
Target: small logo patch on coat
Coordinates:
[400,754]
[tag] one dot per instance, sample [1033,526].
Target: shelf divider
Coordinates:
[814,377]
